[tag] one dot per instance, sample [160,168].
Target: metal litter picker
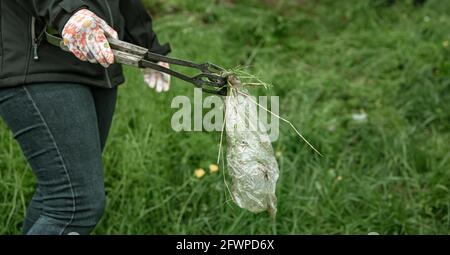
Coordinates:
[210,79]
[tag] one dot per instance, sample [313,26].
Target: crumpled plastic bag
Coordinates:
[250,156]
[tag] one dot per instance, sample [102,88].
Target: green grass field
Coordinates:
[327,60]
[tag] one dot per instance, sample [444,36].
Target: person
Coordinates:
[59,105]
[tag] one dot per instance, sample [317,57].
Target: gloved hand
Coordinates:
[157,80]
[85,34]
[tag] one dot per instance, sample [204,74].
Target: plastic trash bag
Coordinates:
[250,156]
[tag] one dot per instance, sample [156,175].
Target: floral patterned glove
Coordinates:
[157,80]
[85,35]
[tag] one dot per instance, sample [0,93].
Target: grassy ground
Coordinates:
[328,60]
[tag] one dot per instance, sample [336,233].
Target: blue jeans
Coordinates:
[62,130]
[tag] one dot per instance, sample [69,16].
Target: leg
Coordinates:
[56,126]
[34,211]
[105,103]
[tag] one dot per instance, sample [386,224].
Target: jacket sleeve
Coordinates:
[138,27]
[55,12]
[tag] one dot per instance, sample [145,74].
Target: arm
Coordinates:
[56,13]
[139,30]
[138,27]
[83,31]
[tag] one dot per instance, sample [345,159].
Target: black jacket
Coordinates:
[26,57]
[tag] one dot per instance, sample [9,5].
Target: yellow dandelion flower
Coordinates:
[200,173]
[278,154]
[213,168]
[445,44]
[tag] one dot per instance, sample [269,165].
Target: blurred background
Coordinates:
[367,82]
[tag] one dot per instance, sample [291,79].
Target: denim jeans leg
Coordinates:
[105,103]
[57,128]
[34,211]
